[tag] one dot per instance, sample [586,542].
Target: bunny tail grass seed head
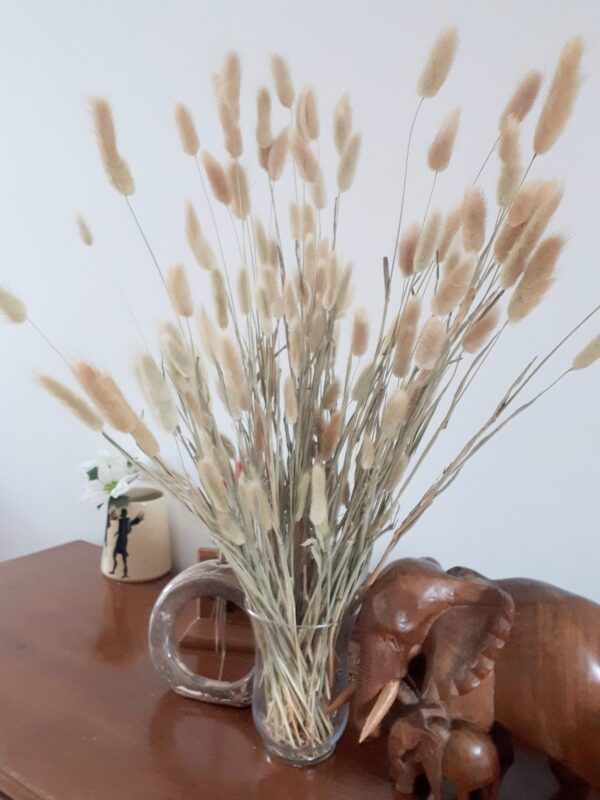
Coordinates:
[589,354]
[243,292]
[240,194]
[306,161]
[537,278]
[454,285]
[450,228]
[106,395]
[307,115]
[145,439]
[524,96]
[85,233]
[394,414]
[560,100]
[156,392]
[290,401]
[217,179]
[442,146]
[525,202]
[232,135]
[187,130]
[330,436]
[406,336]
[264,135]
[473,219]
[318,501]
[360,332]
[342,122]
[282,78]
[70,400]
[179,291]
[114,164]
[431,343]
[366,456]
[219,298]
[479,332]
[11,307]
[318,192]
[235,375]
[438,64]
[231,79]
[510,172]
[201,249]
[277,154]
[407,247]
[348,162]
[428,239]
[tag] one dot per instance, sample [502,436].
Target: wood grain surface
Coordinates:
[83,715]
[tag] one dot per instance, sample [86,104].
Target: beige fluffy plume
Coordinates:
[560,100]
[406,337]
[277,154]
[199,246]
[428,239]
[360,332]
[589,354]
[240,193]
[231,80]
[283,80]
[219,298]
[508,150]
[394,414]
[264,135]
[217,179]
[11,307]
[318,498]
[453,285]
[478,333]
[307,115]
[537,278]
[342,122]
[156,392]
[145,439]
[85,233]
[523,98]
[187,130]
[438,64]
[348,162]
[525,202]
[70,400]
[442,146]
[306,161]
[179,291]
[473,219]
[431,343]
[290,401]
[450,228]
[114,164]
[106,395]
[232,135]
[407,247]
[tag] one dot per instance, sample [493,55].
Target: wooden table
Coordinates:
[84,716]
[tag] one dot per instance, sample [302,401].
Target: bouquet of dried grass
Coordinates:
[322,442]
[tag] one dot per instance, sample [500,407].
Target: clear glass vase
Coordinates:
[299,670]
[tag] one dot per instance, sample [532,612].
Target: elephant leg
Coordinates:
[462,793]
[504,746]
[571,787]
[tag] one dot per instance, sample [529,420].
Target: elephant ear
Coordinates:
[464,642]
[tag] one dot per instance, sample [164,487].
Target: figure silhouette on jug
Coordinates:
[124,529]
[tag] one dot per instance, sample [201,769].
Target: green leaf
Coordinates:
[93,474]
[119,502]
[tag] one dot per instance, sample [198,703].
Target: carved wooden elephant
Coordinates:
[547,670]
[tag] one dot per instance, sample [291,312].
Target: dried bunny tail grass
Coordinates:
[348,162]
[454,285]
[306,161]
[524,96]
[316,329]
[331,395]
[261,242]
[318,192]
[179,291]
[450,228]
[345,292]
[427,243]
[243,292]
[397,469]
[290,401]
[212,482]
[505,240]
[11,307]
[217,178]
[330,436]
[431,343]
[405,337]
[176,355]
[438,63]
[187,130]
[589,354]
[366,455]
[238,183]
[394,414]
[478,333]
[333,279]
[114,164]
[231,80]
[318,498]
[232,134]
[234,371]
[201,249]
[277,154]
[360,332]
[106,395]
[271,282]
[282,78]
[407,248]
[156,392]
[219,298]
[560,100]
[70,400]
[363,383]
[473,219]
[264,311]
[525,202]
[307,114]
[442,146]
[514,264]
[85,233]
[510,173]
[290,300]
[208,334]
[537,278]
[296,347]
[264,135]
[145,439]
[342,122]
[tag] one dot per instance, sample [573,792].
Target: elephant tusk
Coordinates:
[384,702]
[341,699]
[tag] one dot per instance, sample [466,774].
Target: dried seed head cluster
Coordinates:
[295,455]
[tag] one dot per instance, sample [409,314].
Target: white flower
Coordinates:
[109,476]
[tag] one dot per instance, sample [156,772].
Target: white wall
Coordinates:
[528,504]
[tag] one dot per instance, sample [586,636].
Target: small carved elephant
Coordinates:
[425,741]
